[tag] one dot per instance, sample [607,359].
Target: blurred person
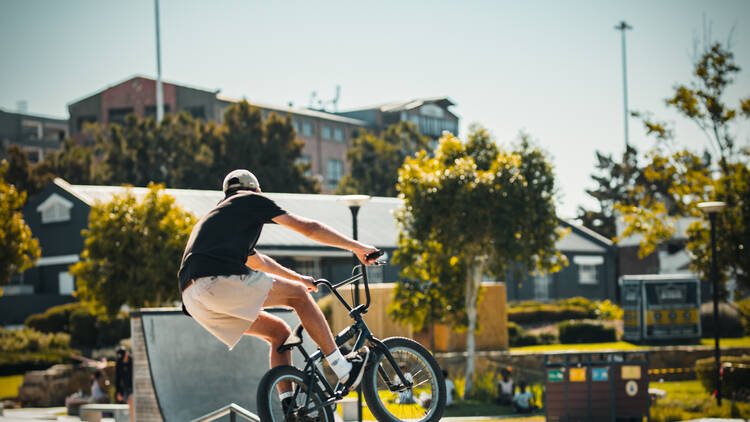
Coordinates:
[523,400]
[225,282]
[98,389]
[505,388]
[124,379]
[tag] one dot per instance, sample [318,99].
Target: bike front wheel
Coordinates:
[305,405]
[388,398]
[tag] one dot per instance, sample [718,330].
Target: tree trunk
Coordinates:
[473,282]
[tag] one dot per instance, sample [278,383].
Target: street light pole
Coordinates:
[159,90]
[355,202]
[713,208]
[623,26]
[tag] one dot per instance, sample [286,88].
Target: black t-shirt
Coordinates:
[222,239]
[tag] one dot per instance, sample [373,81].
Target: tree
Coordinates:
[270,150]
[687,179]
[73,163]
[473,208]
[24,176]
[613,183]
[132,251]
[374,160]
[19,250]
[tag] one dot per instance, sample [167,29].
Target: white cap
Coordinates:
[240,179]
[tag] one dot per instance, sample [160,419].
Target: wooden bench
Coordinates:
[93,412]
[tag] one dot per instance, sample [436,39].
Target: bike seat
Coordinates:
[294,340]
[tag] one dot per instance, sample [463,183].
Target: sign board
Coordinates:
[599,374]
[630,372]
[577,374]
[555,375]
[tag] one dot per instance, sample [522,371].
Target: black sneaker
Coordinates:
[358,359]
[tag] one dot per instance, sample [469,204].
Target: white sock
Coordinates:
[286,394]
[339,364]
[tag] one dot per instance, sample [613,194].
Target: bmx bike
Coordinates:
[402,380]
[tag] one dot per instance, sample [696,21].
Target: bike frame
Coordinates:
[363,333]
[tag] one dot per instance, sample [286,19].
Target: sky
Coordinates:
[551,69]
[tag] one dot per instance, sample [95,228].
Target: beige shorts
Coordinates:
[226,306]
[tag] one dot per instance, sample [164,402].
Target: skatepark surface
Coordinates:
[194,374]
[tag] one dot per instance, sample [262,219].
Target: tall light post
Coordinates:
[713,208]
[623,26]
[159,91]
[354,202]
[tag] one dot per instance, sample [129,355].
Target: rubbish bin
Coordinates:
[600,386]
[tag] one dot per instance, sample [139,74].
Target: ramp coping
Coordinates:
[230,409]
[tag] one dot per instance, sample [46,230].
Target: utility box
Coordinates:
[592,387]
[660,307]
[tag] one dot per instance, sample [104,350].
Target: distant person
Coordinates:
[124,379]
[450,389]
[406,396]
[98,389]
[225,283]
[505,388]
[522,401]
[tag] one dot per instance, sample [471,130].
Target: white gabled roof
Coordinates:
[376,222]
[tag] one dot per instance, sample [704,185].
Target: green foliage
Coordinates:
[54,320]
[585,332]
[19,250]
[681,179]
[132,251]
[483,388]
[607,310]
[518,337]
[30,349]
[734,376]
[24,176]
[689,401]
[374,160]
[271,150]
[86,329]
[730,320]
[529,312]
[460,221]
[743,307]
[74,163]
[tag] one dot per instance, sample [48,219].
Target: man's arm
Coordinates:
[322,233]
[265,263]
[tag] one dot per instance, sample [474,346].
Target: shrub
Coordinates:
[743,307]
[54,320]
[518,337]
[729,318]
[663,413]
[546,313]
[734,376]
[85,328]
[585,332]
[22,350]
[578,302]
[482,387]
[608,311]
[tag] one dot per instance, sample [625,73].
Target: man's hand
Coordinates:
[362,251]
[309,282]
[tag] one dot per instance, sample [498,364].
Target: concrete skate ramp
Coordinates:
[194,374]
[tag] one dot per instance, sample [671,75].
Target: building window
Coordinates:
[55,209]
[325,132]
[374,273]
[308,266]
[117,115]
[338,134]
[307,129]
[198,112]
[541,287]
[31,130]
[335,172]
[305,159]
[34,155]
[296,125]
[150,111]
[66,283]
[588,268]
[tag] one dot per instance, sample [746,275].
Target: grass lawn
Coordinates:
[621,345]
[688,400]
[9,385]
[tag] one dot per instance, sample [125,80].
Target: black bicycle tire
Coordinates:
[369,382]
[263,398]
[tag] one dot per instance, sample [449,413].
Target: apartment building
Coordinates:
[36,135]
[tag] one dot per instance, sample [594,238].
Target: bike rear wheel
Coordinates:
[270,407]
[423,402]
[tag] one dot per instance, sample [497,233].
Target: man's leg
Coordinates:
[294,295]
[275,331]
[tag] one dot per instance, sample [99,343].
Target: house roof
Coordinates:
[301,111]
[407,105]
[376,222]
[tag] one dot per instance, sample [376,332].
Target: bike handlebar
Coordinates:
[361,276]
